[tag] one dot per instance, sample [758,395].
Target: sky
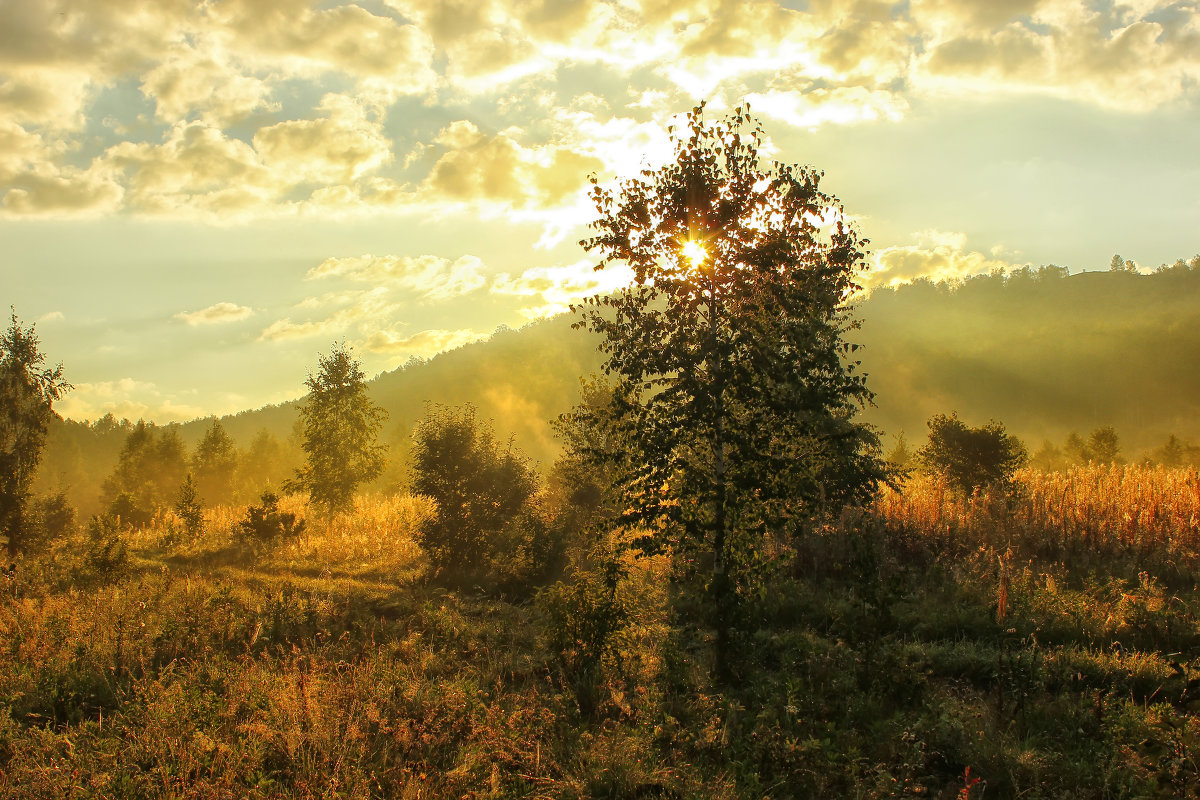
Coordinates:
[198,198]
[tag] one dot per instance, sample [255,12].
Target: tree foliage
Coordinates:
[483,490]
[149,471]
[971,458]
[214,464]
[340,425]
[28,389]
[732,376]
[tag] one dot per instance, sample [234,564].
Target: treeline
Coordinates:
[1048,352]
[136,469]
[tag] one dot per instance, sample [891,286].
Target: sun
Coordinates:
[694,252]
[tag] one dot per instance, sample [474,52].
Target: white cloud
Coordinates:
[371,306]
[424,343]
[336,148]
[216,313]
[936,255]
[126,398]
[558,287]
[428,277]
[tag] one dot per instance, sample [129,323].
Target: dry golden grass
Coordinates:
[1145,509]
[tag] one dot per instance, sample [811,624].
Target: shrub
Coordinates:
[583,621]
[971,458]
[483,493]
[50,518]
[187,508]
[265,525]
[106,552]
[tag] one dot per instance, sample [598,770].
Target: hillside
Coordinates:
[1044,352]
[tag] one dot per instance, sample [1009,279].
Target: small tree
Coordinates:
[265,525]
[339,424]
[732,378]
[28,390]
[188,509]
[214,463]
[483,492]
[971,458]
[1104,446]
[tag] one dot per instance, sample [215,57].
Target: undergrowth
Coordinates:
[933,645]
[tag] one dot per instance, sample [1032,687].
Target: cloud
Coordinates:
[936,255]
[367,306]
[428,277]
[476,167]
[346,39]
[51,316]
[425,343]
[202,83]
[558,287]
[336,148]
[1133,57]
[216,313]
[813,107]
[126,398]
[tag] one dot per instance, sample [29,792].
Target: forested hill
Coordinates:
[1044,352]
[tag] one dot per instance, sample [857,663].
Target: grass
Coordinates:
[1042,646]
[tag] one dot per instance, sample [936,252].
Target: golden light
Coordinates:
[694,252]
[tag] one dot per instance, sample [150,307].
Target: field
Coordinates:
[1041,646]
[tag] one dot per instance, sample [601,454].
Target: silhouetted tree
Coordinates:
[340,425]
[189,509]
[28,390]
[1104,446]
[731,374]
[213,465]
[971,458]
[482,489]
[900,456]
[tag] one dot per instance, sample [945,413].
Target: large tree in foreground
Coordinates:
[28,389]
[340,425]
[732,378]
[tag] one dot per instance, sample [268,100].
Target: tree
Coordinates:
[971,458]
[151,466]
[264,462]
[482,490]
[340,425]
[731,373]
[28,389]
[1104,446]
[214,463]
[189,509]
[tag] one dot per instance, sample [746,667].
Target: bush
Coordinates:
[971,458]
[485,521]
[50,518]
[187,508]
[265,525]
[583,621]
[106,551]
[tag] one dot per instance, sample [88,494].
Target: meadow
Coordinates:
[1044,644]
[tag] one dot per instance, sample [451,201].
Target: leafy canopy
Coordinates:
[340,425]
[731,373]
[28,389]
[971,458]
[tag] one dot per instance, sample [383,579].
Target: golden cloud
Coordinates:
[497,168]
[429,277]
[425,343]
[936,255]
[216,313]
